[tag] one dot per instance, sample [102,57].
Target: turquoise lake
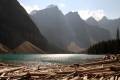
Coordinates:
[47,58]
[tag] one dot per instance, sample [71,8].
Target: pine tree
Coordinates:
[117,35]
[118,39]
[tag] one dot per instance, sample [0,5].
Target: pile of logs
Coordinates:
[101,70]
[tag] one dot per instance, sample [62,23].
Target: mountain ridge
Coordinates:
[54,22]
[17,26]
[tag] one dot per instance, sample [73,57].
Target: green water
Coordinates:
[46,58]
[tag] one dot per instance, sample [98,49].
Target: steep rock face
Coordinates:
[52,24]
[16,26]
[62,30]
[87,32]
[91,21]
[97,32]
[110,25]
[79,27]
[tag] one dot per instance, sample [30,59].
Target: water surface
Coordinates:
[47,58]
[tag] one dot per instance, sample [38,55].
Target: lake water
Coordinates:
[47,58]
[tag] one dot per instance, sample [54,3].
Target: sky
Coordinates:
[85,8]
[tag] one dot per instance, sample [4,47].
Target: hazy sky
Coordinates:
[86,8]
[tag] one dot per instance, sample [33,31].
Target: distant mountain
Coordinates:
[110,24]
[28,47]
[16,26]
[96,31]
[91,21]
[87,33]
[68,31]
[79,28]
[62,32]
[52,24]
[73,47]
[104,19]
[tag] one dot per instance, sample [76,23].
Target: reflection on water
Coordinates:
[47,58]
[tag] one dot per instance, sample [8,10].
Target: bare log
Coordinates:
[99,62]
[10,70]
[96,70]
[13,76]
[41,74]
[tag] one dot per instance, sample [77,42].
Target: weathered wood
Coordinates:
[76,78]
[96,70]
[117,68]
[10,70]
[2,74]
[41,74]
[13,76]
[99,62]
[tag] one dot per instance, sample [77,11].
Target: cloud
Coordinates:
[62,5]
[30,8]
[97,14]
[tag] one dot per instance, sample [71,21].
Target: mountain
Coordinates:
[79,27]
[86,33]
[92,21]
[28,47]
[62,32]
[69,31]
[104,19]
[110,24]
[16,26]
[98,33]
[52,24]
[73,47]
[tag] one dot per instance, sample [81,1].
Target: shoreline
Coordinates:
[102,68]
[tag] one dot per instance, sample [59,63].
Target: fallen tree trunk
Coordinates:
[10,70]
[15,76]
[40,74]
[93,70]
[99,62]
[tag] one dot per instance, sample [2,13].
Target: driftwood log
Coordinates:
[10,70]
[99,62]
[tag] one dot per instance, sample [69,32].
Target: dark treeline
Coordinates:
[111,46]
[106,47]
